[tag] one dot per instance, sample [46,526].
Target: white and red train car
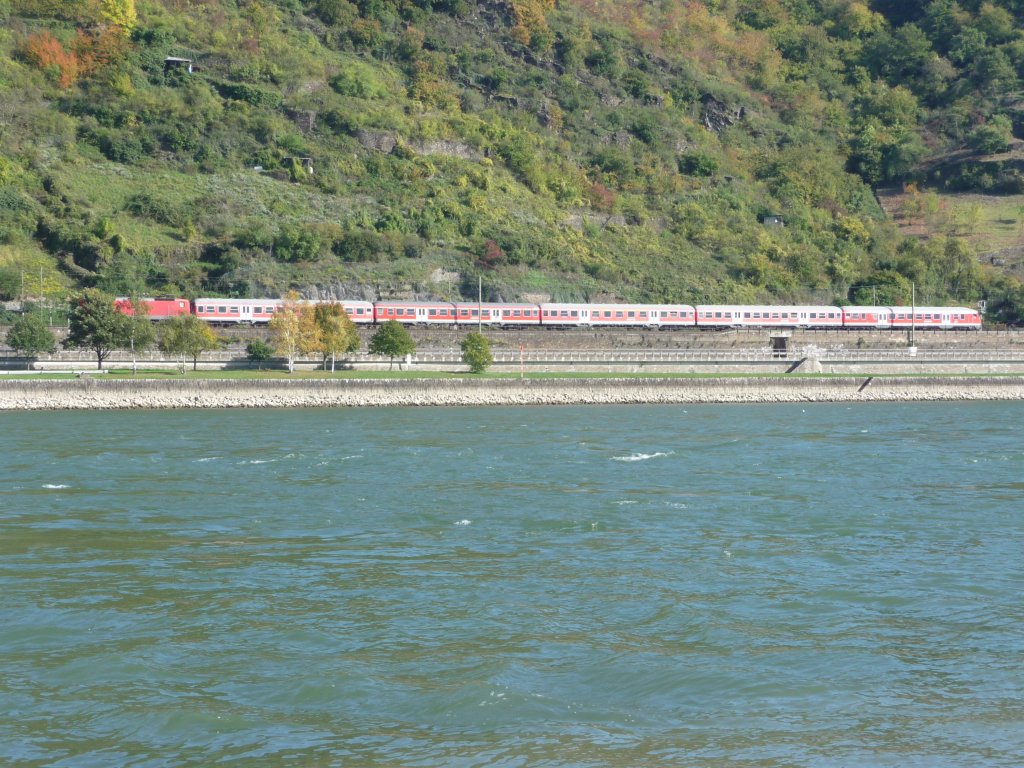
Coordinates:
[768,316]
[257,311]
[569,315]
[944,318]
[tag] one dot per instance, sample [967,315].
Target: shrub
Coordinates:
[249,94]
[992,137]
[698,164]
[476,352]
[259,352]
[44,51]
[296,243]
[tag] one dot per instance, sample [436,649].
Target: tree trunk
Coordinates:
[195,362]
[99,360]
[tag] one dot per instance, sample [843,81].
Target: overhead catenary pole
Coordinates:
[479,304]
[913,310]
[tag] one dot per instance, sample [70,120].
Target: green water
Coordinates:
[644,586]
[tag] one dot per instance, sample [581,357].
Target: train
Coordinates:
[568,315]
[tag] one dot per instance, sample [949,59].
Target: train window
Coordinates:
[746,315]
[631,314]
[222,310]
[775,315]
[574,313]
[618,314]
[718,314]
[433,313]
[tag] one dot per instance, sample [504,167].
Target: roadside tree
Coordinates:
[287,330]
[188,336]
[259,352]
[337,333]
[476,352]
[94,323]
[141,334]
[392,340]
[30,337]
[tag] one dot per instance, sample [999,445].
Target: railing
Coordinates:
[581,356]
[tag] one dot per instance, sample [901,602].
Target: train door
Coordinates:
[245,313]
[421,314]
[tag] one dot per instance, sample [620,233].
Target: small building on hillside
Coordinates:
[178,64]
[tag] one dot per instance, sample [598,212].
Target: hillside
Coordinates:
[589,149]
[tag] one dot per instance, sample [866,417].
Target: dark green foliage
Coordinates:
[297,243]
[698,164]
[392,340]
[250,94]
[95,324]
[10,284]
[476,352]
[259,352]
[994,136]
[30,336]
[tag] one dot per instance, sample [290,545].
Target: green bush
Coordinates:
[698,164]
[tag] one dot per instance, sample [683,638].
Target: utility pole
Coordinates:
[913,310]
[479,304]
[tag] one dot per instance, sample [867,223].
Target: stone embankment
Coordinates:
[122,394]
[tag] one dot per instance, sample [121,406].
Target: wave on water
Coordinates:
[55,487]
[463,522]
[258,461]
[206,458]
[642,456]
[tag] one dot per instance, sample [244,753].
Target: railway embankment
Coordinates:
[99,394]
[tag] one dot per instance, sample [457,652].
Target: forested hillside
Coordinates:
[584,149]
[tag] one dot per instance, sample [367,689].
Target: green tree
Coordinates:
[337,332]
[392,339]
[258,351]
[187,335]
[30,336]
[476,352]
[94,323]
[993,136]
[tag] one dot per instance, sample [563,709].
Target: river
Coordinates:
[709,585]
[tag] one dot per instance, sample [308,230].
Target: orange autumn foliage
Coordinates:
[45,52]
[89,53]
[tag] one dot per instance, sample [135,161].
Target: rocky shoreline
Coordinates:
[100,394]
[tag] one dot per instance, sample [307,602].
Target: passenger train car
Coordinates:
[564,315]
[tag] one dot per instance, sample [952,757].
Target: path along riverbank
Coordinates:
[311,393]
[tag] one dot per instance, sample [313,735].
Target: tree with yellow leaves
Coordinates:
[119,13]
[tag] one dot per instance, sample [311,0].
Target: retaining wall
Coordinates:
[114,394]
